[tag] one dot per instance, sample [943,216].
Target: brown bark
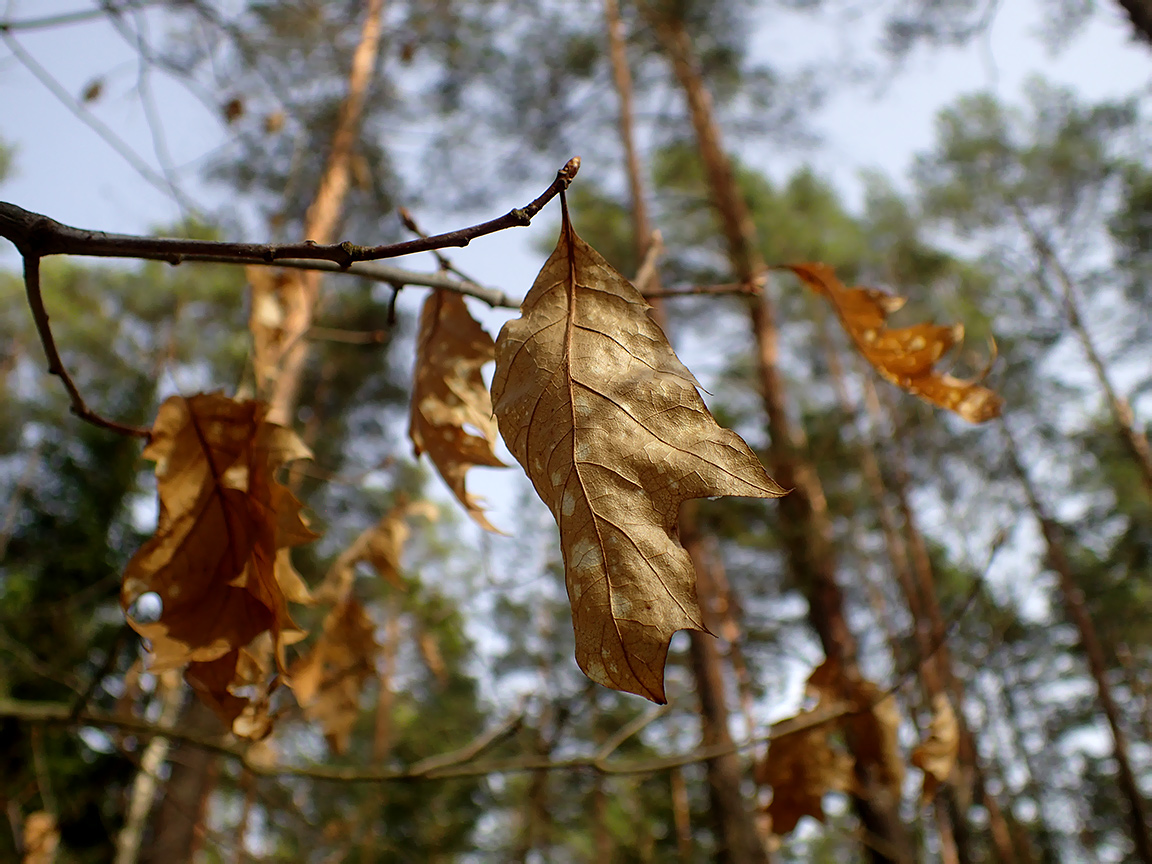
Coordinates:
[177,829]
[536,819]
[931,633]
[140,801]
[1140,14]
[622,77]
[805,526]
[737,839]
[951,820]
[681,815]
[1134,440]
[1078,614]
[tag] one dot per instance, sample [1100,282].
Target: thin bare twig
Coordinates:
[80,16]
[745,289]
[55,364]
[349,337]
[95,124]
[39,235]
[638,724]
[446,766]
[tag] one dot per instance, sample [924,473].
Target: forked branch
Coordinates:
[36,236]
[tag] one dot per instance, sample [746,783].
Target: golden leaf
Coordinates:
[329,680]
[608,425]
[903,356]
[448,396]
[218,560]
[936,754]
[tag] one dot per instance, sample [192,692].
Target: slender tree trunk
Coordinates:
[951,819]
[1134,440]
[536,818]
[193,776]
[1093,650]
[931,632]
[322,219]
[177,823]
[147,780]
[1014,713]
[681,815]
[382,731]
[1140,13]
[737,839]
[622,76]
[805,525]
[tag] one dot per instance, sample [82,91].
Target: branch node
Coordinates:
[351,252]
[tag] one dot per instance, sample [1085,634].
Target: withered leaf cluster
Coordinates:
[905,356]
[609,426]
[219,559]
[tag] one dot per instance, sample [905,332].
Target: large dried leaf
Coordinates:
[218,560]
[608,425]
[936,755]
[905,356]
[328,681]
[449,396]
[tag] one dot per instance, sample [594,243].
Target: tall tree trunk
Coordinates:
[1134,439]
[140,800]
[737,839]
[1140,13]
[931,632]
[951,819]
[622,77]
[177,825]
[1093,650]
[193,776]
[302,293]
[805,525]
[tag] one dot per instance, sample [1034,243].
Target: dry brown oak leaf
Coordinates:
[449,396]
[219,559]
[904,356]
[329,680]
[610,428]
